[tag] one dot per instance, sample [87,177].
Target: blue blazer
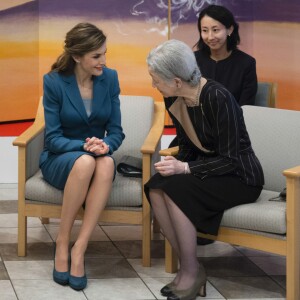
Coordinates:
[66,120]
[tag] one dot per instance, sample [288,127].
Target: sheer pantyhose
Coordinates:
[181,234]
[90,180]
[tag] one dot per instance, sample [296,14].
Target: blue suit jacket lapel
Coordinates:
[74,96]
[100,90]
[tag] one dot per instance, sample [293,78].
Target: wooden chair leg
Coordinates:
[292,279]
[171,259]
[22,234]
[146,236]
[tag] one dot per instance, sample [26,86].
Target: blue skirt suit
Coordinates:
[67,124]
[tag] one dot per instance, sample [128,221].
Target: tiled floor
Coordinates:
[113,264]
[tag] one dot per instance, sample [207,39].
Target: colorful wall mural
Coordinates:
[39,28]
[32,35]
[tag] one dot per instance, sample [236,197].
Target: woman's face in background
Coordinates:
[214,34]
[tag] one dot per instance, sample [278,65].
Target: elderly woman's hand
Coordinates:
[96,145]
[170,166]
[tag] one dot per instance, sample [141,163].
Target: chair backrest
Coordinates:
[137,117]
[266,94]
[275,138]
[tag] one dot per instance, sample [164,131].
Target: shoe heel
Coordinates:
[78,283]
[202,291]
[61,278]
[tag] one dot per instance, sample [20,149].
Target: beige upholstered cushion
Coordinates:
[263,215]
[125,191]
[37,189]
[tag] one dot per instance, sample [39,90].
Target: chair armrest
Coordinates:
[292,172]
[30,144]
[170,151]
[156,131]
[149,150]
[34,130]
[28,135]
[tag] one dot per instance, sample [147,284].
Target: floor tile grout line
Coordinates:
[10,280]
[14,289]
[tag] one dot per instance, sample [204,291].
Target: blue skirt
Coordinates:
[57,167]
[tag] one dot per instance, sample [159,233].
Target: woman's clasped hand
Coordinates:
[96,146]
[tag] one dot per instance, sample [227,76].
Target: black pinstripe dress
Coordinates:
[214,141]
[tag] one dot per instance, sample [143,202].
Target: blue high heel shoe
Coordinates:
[61,278]
[78,283]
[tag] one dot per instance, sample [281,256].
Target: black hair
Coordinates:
[225,17]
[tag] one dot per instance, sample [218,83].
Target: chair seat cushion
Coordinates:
[125,192]
[262,215]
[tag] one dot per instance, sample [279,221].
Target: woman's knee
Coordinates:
[84,166]
[156,197]
[105,167]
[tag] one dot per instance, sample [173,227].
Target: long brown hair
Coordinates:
[81,39]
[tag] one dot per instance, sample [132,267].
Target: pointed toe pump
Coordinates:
[61,278]
[198,288]
[78,283]
[168,289]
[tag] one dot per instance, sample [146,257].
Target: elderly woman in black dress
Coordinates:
[215,169]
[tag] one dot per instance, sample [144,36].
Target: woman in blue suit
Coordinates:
[83,129]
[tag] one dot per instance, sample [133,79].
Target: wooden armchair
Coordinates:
[267,225]
[143,124]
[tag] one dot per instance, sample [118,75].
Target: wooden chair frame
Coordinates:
[46,211]
[290,247]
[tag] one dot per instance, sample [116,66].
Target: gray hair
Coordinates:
[172,59]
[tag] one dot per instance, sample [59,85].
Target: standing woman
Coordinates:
[215,169]
[219,58]
[83,128]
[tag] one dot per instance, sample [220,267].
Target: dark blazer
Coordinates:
[212,136]
[67,123]
[237,73]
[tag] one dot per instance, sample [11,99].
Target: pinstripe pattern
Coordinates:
[219,125]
